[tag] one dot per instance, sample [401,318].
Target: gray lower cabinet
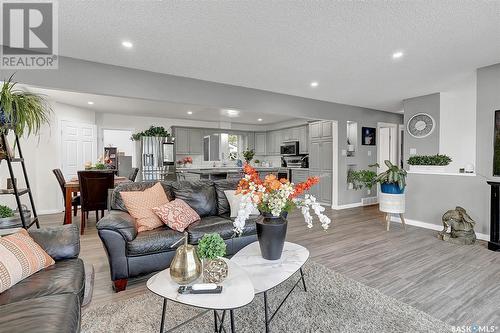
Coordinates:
[322,191]
[260,143]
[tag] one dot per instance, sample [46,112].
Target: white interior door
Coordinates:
[387,145]
[79,145]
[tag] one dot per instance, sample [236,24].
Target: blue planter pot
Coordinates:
[391,188]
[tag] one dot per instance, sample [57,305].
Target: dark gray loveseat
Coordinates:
[132,254]
[49,300]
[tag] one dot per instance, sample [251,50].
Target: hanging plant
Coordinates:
[22,111]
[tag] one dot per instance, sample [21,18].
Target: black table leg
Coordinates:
[303,279]
[232,320]
[215,321]
[162,325]
[221,327]
[266,315]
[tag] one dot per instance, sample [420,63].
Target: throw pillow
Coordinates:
[177,214]
[20,257]
[234,203]
[140,206]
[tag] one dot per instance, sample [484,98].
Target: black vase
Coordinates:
[271,232]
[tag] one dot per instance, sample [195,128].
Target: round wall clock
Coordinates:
[420,125]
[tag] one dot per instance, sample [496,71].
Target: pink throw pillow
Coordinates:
[140,203]
[176,214]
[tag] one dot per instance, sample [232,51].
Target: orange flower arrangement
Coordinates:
[273,195]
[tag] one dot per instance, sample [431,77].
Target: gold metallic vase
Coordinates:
[186,266]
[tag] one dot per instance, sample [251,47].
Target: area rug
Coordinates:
[332,303]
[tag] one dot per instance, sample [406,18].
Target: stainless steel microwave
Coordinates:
[289,148]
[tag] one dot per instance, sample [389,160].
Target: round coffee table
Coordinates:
[237,283]
[267,274]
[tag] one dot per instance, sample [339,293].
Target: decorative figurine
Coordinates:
[462,227]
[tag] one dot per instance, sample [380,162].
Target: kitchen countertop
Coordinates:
[211,170]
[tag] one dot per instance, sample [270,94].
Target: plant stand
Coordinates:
[392,204]
[26,222]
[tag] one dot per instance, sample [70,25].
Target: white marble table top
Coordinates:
[237,284]
[267,274]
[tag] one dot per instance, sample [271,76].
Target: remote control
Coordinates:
[191,290]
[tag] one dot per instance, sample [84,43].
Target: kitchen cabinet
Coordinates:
[325,188]
[320,130]
[182,140]
[315,155]
[326,155]
[298,175]
[188,141]
[273,143]
[260,143]
[315,130]
[195,141]
[303,139]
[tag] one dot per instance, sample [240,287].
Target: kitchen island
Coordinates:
[214,173]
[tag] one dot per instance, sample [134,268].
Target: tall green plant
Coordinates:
[393,175]
[22,110]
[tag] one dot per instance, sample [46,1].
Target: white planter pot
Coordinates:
[392,203]
[428,168]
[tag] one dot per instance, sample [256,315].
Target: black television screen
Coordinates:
[496,153]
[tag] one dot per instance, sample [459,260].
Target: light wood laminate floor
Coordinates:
[457,284]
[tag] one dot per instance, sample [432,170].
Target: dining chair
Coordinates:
[75,201]
[133,174]
[94,186]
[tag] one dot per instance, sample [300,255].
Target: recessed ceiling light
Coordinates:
[127,44]
[397,55]
[232,113]
[90,103]
[314,84]
[190,112]
[260,119]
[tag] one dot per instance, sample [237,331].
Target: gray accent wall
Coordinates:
[429,196]
[90,77]
[429,104]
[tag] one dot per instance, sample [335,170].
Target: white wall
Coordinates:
[457,133]
[42,154]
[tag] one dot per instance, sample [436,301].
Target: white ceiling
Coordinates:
[142,107]
[282,46]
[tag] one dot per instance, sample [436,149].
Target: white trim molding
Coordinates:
[347,206]
[432,226]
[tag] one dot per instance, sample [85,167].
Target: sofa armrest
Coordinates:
[120,222]
[62,242]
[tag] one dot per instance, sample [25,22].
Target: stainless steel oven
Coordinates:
[289,148]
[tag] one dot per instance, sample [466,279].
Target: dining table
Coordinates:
[73,186]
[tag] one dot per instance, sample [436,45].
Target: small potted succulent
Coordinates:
[211,249]
[6,214]
[429,163]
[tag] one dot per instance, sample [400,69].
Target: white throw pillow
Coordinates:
[234,203]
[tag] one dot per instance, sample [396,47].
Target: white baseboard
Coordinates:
[432,226]
[49,211]
[347,206]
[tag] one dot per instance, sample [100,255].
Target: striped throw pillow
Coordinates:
[20,257]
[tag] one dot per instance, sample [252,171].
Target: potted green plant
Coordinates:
[248,155]
[211,249]
[429,163]
[153,131]
[21,111]
[392,180]
[361,179]
[6,214]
